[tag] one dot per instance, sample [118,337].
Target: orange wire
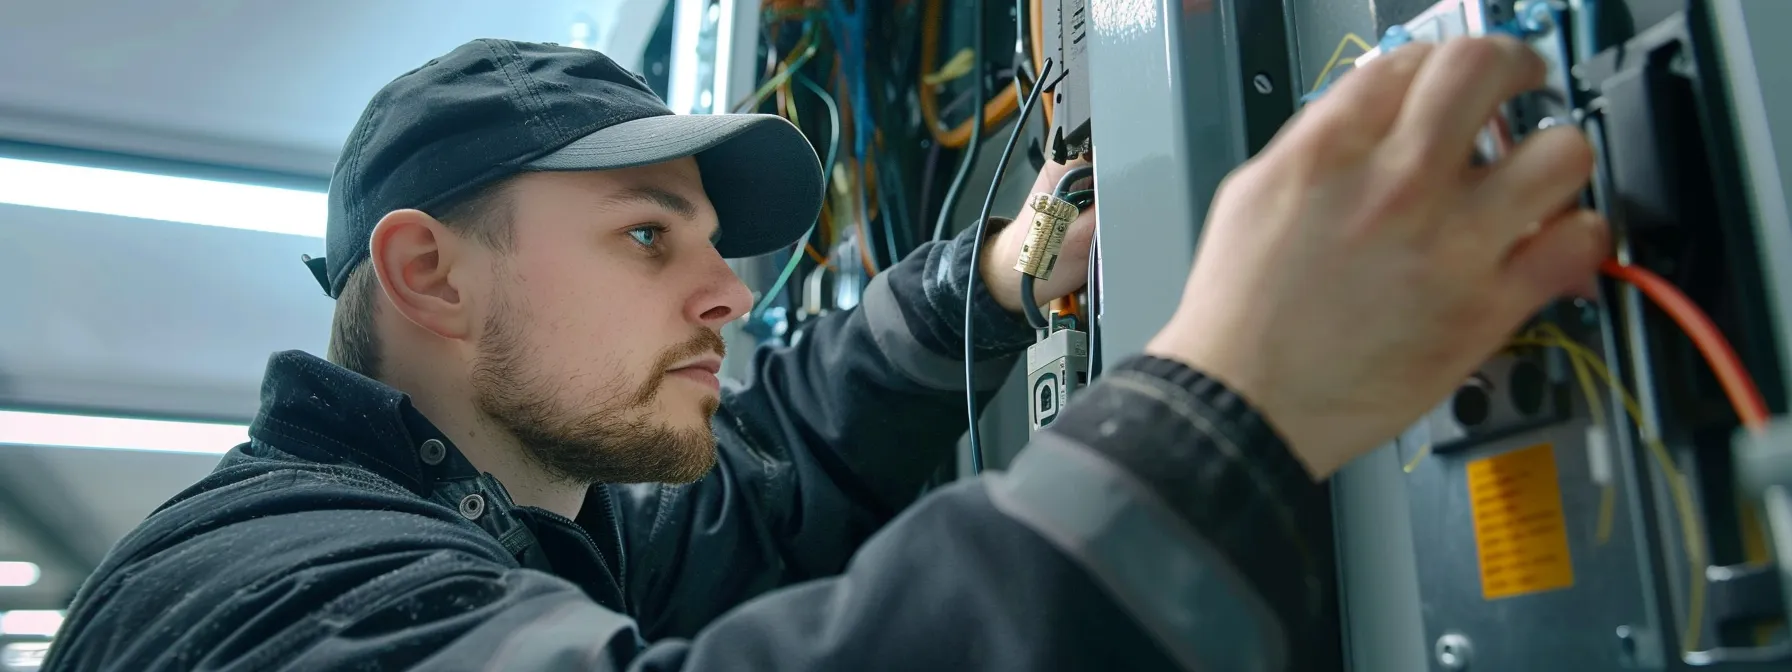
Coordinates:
[1738,386]
[995,111]
[1067,305]
[816,255]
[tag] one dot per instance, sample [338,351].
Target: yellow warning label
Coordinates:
[1520,532]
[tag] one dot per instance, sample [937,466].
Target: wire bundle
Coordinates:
[849,73]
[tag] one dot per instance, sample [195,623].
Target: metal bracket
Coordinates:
[1067,28]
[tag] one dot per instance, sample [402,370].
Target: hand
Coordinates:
[1002,251]
[1360,268]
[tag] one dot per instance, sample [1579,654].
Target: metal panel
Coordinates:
[1384,627]
[1758,60]
[1181,93]
[1570,629]
[1432,613]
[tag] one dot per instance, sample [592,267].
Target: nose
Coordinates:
[722,297]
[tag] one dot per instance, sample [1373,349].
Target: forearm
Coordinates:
[1179,498]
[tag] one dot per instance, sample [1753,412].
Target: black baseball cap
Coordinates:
[492,109]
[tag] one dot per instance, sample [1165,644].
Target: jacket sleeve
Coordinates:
[825,443]
[877,392]
[1158,526]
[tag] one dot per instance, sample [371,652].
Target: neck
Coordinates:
[487,445]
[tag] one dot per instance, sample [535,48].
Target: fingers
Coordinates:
[1459,88]
[1559,260]
[1369,99]
[1360,108]
[1534,183]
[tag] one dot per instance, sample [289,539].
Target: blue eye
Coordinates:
[647,236]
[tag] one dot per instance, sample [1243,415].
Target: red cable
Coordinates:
[1737,384]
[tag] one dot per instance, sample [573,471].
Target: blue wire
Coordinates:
[827,171]
[849,32]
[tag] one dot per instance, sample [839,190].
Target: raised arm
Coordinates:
[1090,554]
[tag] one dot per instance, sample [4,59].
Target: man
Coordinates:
[542,472]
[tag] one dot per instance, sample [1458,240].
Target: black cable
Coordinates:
[1067,183]
[970,287]
[971,149]
[1029,304]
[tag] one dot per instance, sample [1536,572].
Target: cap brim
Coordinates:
[759,171]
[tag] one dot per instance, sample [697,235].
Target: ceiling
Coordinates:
[269,85]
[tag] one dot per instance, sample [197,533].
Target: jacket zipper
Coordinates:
[610,518]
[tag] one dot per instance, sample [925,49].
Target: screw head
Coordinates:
[1626,645]
[1454,652]
[1263,84]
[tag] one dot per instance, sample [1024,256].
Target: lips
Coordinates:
[710,366]
[706,372]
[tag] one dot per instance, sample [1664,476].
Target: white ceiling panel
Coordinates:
[267,84]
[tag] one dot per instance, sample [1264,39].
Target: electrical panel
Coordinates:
[1067,24]
[1575,504]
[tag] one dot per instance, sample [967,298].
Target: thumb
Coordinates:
[1560,259]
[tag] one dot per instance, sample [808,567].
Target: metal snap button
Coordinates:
[433,451]
[472,506]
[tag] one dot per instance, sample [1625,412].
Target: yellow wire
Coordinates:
[1608,492]
[961,64]
[1337,58]
[1424,451]
[1691,532]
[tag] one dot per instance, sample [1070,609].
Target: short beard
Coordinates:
[604,440]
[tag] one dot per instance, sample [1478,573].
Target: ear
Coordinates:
[413,255]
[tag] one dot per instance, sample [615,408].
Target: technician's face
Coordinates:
[601,343]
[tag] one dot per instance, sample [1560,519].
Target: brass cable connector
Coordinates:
[1050,223]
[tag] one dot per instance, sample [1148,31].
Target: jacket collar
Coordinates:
[320,411]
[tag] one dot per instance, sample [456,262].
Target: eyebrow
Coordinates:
[655,196]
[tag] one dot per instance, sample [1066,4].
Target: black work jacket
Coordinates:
[350,533]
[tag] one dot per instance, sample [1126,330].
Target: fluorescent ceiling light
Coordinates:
[26,622]
[18,574]
[24,656]
[724,69]
[86,431]
[687,31]
[172,199]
